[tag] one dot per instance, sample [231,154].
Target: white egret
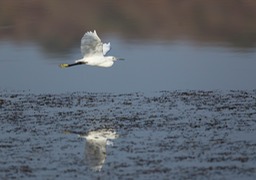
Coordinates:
[93,52]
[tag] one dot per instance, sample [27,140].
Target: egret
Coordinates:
[93,52]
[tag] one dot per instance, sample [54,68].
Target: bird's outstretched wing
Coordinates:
[91,44]
[106,48]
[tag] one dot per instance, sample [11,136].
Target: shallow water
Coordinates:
[146,68]
[56,125]
[168,135]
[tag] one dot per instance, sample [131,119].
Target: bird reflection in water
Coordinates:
[95,147]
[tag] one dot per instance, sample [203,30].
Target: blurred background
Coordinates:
[167,44]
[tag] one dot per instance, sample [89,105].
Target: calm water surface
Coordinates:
[148,67]
[175,50]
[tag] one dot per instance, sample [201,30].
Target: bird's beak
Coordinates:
[120,59]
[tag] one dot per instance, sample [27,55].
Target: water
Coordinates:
[176,50]
[171,135]
[181,49]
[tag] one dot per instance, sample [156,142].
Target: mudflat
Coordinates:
[163,135]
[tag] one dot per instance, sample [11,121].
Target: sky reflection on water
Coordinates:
[147,68]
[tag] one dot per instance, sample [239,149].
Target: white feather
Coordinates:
[106,48]
[94,51]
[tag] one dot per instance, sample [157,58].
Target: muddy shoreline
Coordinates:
[166,135]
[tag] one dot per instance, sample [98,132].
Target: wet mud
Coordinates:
[165,135]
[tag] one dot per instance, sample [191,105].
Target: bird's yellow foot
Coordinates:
[63,65]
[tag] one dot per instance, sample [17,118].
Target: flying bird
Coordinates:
[93,52]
